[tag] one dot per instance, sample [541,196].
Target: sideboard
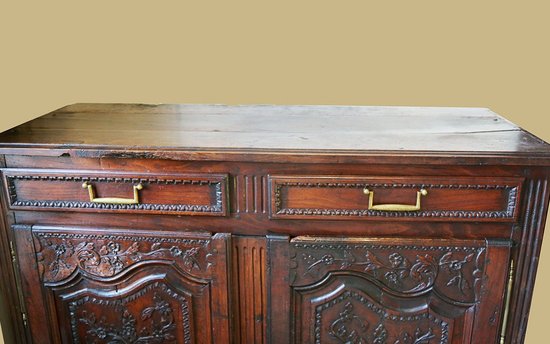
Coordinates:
[136,223]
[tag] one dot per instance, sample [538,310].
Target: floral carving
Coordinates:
[61,256]
[394,273]
[454,271]
[160,327]
[342,328]
[113,321]
[420,337]
[352,327]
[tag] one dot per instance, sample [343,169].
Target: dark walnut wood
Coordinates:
[253,224]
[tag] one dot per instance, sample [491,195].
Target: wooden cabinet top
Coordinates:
[274,133]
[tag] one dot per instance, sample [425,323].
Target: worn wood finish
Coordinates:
[238,235]
[252,132]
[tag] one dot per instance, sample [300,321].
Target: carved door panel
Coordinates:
[127,287]
[396,291]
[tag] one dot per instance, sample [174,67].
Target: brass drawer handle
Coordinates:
[113,200]
[395,207]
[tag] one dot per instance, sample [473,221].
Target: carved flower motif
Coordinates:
[392,277]
[60,250]
[114,246]
[101,332]
[456,265]
[154,329]
[395,259]
[328,259]
[176,251]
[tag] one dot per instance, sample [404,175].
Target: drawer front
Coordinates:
[411,198]
[99,191]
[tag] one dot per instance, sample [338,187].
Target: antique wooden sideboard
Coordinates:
[131,223]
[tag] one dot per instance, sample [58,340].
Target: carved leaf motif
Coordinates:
[380,334]
[147,312]
[405,339]
[133,249]
[81,246]
[424,271]
[348,260]
[419,337]
[372,262]
[190,258]
[423,338]
[455,269]
[348,327]
[445,258]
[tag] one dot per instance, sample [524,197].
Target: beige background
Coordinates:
[432,53]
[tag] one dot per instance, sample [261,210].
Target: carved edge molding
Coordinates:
[217,207]
[505,214]
[120,304]
[136,238]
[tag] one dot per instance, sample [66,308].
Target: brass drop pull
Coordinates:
[395,207]
[112,200]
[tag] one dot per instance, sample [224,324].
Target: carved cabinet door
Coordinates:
[394,291]
[99,286]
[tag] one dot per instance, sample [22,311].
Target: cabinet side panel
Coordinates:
[13,328]
[31,285]
[530,236]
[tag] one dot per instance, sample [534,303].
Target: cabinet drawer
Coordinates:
[99,191]
[426,198]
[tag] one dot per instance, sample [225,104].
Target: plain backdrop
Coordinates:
[428,53]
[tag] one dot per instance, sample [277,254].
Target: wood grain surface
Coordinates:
[331,130]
